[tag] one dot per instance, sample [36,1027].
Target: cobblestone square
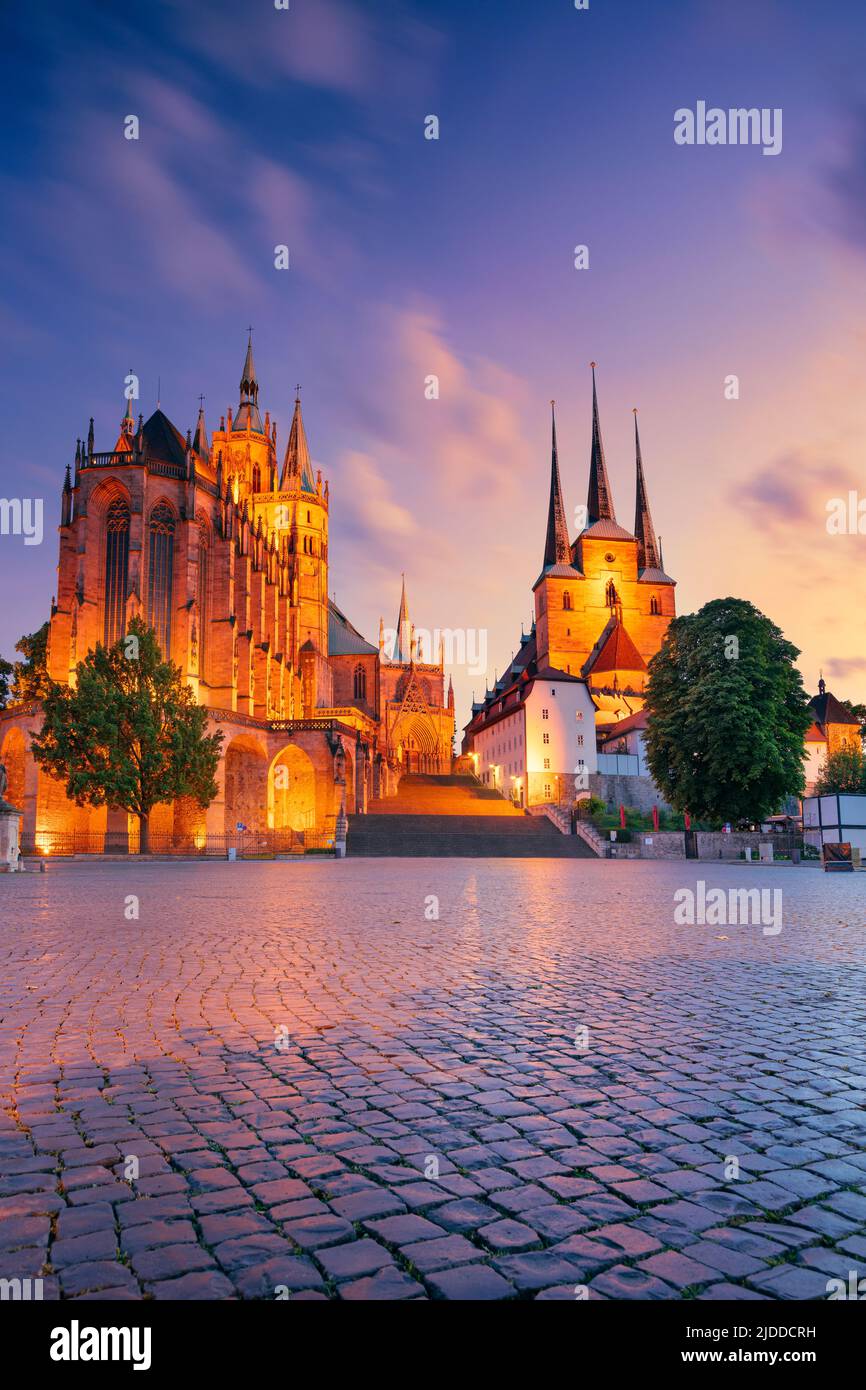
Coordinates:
[286,1080]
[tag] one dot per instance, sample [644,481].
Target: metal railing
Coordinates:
[250,844]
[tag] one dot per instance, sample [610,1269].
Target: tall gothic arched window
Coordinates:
[360,682]
[611,594]
[159,574]
[566,599]
[654,606]
[116,567]
[202,596]
[257,478]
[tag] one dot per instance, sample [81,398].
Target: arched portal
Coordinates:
[246,783]
[292,791]
[416,742]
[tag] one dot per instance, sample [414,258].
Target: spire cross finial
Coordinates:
[297,391]
[593,365]
[250,330]
[201,402]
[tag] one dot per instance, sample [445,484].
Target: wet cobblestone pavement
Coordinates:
[284,1080]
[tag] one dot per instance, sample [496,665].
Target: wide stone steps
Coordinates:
[428,795]
[445,817]
[382,836]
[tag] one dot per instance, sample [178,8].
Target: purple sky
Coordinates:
[411,257]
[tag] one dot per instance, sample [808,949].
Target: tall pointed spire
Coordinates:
[248,417]
[297,469]
[200,441]
[403,643]
[126,437]
[647,550]
[599,503]
[557,550]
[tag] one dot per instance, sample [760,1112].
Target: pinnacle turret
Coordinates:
[557,550]
[648,556]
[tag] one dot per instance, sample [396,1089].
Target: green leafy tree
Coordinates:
[31,679]
[727,714]
[843,771]
[6,672]
[130,734]
[859,713]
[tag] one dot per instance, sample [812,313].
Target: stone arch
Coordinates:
[416,743]
[246,785]
[13,755]
[292,801]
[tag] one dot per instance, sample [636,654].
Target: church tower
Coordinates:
[560,635]
[602,603]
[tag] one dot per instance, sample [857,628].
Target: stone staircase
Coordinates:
[454,816]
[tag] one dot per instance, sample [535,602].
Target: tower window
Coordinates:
[360,686]
[611,594]
[257,478]
[160,573]
[566,600]
[654,605]
[116,566]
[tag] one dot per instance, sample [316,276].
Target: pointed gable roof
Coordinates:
[826,709]
[297,468]
[163,441]
[647,550]
[599,501]
[618,653]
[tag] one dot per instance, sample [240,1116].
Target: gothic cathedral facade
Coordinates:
[223,550]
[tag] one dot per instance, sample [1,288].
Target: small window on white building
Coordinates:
[545,738]
[544,714]
[580,740]
[546,764]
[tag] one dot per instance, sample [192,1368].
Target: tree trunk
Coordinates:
[143,835]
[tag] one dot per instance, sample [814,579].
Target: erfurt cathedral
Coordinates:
[221,547]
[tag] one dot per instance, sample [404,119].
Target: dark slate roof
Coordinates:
[606,530]
[654,576]
[164,442]
[828,710]
[558,572]
[247,418]
[343,638]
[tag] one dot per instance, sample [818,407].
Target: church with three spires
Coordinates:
[223,549]
[574,691]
